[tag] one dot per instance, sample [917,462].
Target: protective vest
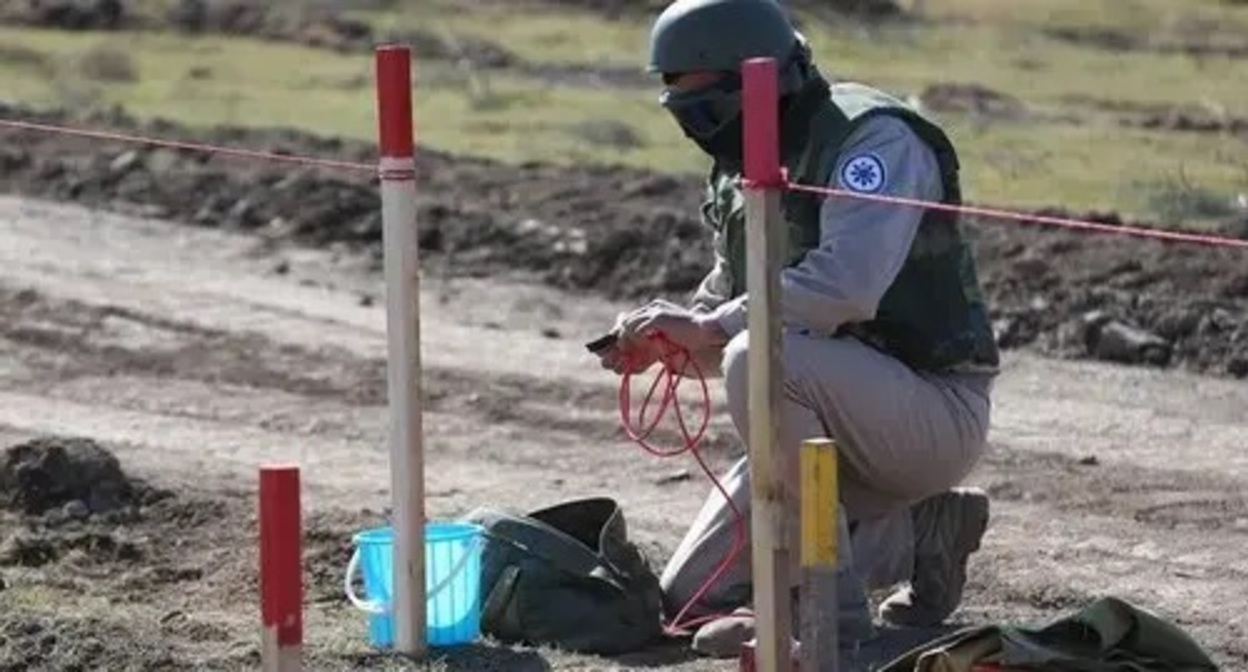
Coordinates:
[933,316]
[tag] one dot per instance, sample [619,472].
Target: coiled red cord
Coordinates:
[677,362]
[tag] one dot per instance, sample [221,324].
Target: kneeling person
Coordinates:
[887,346]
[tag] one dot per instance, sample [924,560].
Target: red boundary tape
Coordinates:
[180,144]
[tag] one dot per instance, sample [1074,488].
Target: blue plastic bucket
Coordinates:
[452,582]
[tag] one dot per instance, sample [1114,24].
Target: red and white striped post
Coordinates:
[397,171]
[281,569]
[764,249]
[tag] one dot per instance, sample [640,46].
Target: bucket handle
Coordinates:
[376,606]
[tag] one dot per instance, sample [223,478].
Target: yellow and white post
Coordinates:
[819,511]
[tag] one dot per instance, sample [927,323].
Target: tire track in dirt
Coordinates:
[221,392]
[1067,530]
[253,364]
[1159,420]
[212,282]
[317,367]
[1167,499]
[1034,565]
[1164,499]
[48,328]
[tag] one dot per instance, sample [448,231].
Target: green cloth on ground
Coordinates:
[1110,635]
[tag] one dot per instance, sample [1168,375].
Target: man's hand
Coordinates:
[693,331]
[637,346]
[631,356]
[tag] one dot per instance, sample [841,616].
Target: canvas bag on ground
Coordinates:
[1109,635]
[567,576]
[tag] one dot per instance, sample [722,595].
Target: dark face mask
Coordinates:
[711,116]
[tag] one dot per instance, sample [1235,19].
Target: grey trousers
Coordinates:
[901,437]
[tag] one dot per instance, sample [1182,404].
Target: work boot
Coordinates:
[948,528]
[853,618]
[724,637]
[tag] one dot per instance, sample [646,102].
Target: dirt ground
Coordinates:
[195,354]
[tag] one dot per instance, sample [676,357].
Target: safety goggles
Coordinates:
[704,111]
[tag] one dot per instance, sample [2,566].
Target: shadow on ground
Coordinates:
[891,643]
[669,652]
[475,658]
[886,647]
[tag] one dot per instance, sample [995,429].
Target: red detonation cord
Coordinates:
[676,362]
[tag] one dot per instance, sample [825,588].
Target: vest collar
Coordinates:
[798,116]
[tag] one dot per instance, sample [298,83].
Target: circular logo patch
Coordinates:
[864,173]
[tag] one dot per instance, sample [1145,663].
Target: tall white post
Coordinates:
[402,270]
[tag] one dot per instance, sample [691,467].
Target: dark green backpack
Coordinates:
[567,576]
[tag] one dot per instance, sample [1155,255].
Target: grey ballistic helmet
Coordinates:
[719,35]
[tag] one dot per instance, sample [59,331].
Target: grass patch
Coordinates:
[212,80]
[1098,167]
[561,36]
[1028,65]
[1157,19]
[24,58]
[1004,49]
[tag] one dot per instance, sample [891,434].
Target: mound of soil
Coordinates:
[76,474]
[1116,298]
[631,234]
[1165,116]
[33,643]
[143,578]
[68,14]
[71,496]
[1208,41]
[79,532]
[973,99]
[321,28]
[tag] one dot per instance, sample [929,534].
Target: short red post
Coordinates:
[281,569]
